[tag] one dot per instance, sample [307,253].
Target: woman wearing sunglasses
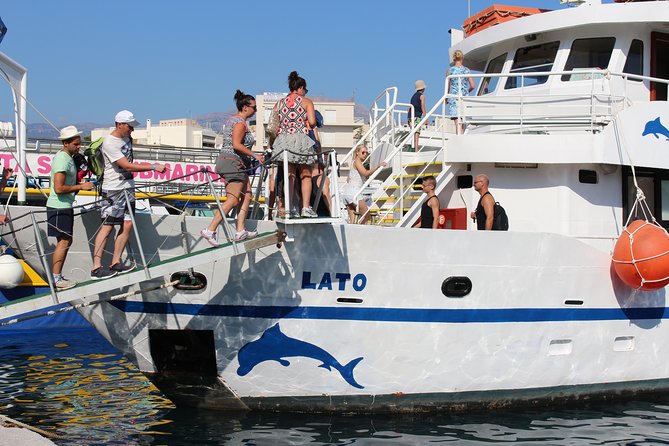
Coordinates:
[356,178]
[233,164]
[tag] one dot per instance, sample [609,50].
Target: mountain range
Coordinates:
[212,120]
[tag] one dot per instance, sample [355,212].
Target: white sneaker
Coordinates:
[244,234]
[209,236]
[64,284]
[309,213]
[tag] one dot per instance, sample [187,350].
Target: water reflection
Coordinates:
[74,383]
[65,388]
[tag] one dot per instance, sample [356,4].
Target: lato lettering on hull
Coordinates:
[333,281]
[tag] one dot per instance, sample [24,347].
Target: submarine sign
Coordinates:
[332,280]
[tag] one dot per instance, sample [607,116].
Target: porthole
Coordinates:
[456,286]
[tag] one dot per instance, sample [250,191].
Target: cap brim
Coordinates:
[133,123]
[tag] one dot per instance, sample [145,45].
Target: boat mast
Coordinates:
[17,77]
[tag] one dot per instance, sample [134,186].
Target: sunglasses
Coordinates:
[254,107]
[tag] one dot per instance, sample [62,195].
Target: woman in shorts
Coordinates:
[233,164]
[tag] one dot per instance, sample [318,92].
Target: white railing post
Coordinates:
[286,186]
[226,229]
[136,231]
[43,257]
[522,101]
[334,186]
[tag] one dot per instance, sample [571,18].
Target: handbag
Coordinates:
[273,125]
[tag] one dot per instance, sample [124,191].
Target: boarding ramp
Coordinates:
[101,289]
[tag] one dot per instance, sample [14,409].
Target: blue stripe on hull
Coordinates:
[398,314]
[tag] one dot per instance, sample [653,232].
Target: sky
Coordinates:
[88,59]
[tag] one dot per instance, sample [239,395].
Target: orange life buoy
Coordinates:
[641,256]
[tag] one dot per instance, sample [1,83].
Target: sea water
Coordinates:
[73,383]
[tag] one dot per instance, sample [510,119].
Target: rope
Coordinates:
[6,419]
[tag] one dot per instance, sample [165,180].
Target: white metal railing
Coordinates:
[385,118]
[525,107]
[516,110]
[330,169]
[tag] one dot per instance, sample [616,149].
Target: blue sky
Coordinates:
[88,59]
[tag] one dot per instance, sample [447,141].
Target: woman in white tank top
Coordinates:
[356,178]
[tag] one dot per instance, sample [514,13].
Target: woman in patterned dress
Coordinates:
[458,86]
[295,111]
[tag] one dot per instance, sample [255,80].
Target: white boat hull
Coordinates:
[325,322]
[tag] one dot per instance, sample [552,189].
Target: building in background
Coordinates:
[338,130]
[169,132]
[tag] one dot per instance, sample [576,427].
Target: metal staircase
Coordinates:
[395,192]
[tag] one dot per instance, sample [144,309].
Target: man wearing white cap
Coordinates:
[115,210]
[60,216]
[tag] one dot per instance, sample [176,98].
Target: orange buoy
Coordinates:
[641,256]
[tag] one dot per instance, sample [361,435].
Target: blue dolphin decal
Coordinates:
[275,346]
[655,127]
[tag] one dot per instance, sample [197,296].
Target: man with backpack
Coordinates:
[115,209]
[489,215]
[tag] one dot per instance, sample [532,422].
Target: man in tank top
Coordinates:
[429,212]
[484,214]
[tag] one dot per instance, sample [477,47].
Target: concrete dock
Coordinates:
[18,436]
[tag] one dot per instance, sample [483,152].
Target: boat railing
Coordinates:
[431,146]
[329,161]
[589,103]
[386,117]
[145,151]
[194,157]
[142,258]
[584,107]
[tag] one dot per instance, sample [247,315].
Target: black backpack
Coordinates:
[500,220]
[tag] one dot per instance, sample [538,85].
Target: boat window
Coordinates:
[536,58]
[495,66]
[634,62]
[664,191]
[588,54]
[655,186]
[587,176]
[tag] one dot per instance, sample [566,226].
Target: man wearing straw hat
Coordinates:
[59,212]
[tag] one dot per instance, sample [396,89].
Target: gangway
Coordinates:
[152,271]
